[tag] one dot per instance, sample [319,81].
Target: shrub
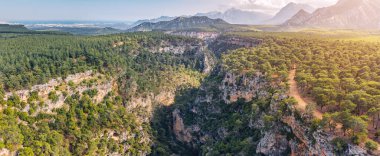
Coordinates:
[377,134]
[371,145]
[315,124]
[71,84]
[268,120]
[359,138]
[91,92]
[53,96]
[25,152]
[339,144]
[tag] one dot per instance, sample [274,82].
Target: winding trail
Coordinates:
[304,101]
[295,92]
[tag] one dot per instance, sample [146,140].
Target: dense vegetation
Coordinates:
[85,127]
[342,76]
[30,60]
[74,130]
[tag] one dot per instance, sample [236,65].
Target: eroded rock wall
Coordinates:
[285,134]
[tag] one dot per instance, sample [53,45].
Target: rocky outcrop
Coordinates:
[277,130]
[208,63]
[272,144]
[180,132]
[177,48]
[122,136]
[210,103]
[81,81]
[195,34]
[194,49]
[355,150]
[225,43]
[236,87]
[44,89]
[302,144]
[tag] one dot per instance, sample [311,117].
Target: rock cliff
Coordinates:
[253,109]
[62,87]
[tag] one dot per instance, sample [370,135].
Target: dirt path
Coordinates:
[304,101]
[295,92]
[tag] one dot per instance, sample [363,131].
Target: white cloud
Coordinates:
[272,6]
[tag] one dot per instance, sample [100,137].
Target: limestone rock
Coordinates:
[272,145]
[180,132]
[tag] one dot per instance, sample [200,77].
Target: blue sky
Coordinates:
[129,10]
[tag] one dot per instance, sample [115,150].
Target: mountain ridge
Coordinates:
[237,16]
[154,20]
[182,23]
[297,18]
[288,11]
[356,14]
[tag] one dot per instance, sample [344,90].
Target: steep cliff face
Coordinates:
[166,46]
[185,47]
[249,115]
[206,122]
[39,98]
[224,43]
[195,50]
[235,87]
[188,50]
[196,34]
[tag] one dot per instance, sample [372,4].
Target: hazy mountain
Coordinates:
[183,23]
[352,14]
[13,28]
[154,20]
[301,16]
[236,16]
[212,15]
[289,11]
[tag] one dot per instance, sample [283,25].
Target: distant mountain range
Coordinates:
[184,23]
[154,20]
[288,12]
[236,16]
[348,14]
[233,16]
[351,14]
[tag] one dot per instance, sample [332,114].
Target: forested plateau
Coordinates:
[157,94]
